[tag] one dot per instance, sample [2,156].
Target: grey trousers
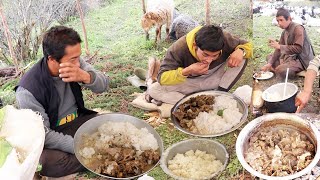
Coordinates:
[281,66]
[218,77]
[56,163]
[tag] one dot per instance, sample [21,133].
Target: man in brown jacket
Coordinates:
[206,58]
[294,51]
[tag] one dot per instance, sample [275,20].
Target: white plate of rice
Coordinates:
[263,75]
[210,124]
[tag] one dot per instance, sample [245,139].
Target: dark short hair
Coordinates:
[56,39]
[210,38]
[283,12]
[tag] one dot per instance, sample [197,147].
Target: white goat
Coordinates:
[158,13]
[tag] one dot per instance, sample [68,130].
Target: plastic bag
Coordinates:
[24,130]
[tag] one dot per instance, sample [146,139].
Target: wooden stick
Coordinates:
[207,8]
[143,7]
[83,27]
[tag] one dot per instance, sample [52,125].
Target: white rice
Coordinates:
[275,96]
[211,123]
[122,134]
[224,102]
[194,164]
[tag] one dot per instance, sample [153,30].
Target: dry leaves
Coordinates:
[154,119]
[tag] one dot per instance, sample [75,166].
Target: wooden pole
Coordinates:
[83,27]
[207,7]
[251,9]
[143,7]
[8,37]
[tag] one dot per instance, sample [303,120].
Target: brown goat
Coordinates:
[159,12]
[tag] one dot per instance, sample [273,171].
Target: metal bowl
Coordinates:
[210,146]
[241,105]
[286,103]
[92,125]
[280,120]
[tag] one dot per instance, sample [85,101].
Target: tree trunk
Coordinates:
[8,37]
[207,6]
[143,7]
[9,71]
[83,27]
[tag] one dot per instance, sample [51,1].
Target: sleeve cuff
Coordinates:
[313,67]
[92,76]
[247,47]
[180,73]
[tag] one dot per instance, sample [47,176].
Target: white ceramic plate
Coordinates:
[263,75]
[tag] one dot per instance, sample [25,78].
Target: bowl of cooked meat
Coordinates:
[209,113]
[118,146]
[278,146]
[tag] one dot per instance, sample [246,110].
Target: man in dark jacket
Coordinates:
[293,51]
[52,87]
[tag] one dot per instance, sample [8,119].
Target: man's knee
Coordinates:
[57,163]
[281,71]
[154,89]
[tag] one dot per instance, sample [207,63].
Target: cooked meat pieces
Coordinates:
[125,162]
[191,109]
[278,151]
[119,149]
[151,156]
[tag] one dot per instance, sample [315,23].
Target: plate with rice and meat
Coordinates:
[118,146]
[263,75]
[209,113]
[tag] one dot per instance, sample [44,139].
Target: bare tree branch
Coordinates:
[28,20]
[7,34]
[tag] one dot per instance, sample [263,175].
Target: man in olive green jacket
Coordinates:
[206,58]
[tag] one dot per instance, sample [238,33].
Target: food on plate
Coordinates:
[194,164]
[119,149]
[276,151]
[263,75]
[208,114]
